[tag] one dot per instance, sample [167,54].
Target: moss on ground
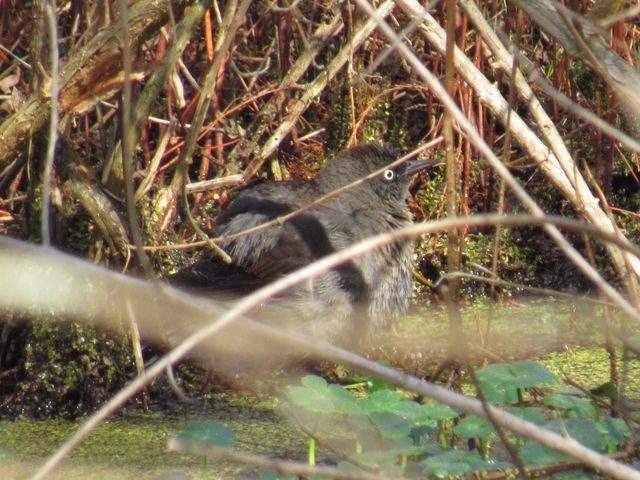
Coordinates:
[134,445]
[590,368]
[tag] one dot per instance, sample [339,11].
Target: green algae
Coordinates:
[134,444]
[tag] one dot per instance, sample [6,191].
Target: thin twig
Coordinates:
[506,59]
[436,87]
[147,183]
[503,283]
[312,91]
[511,449]
[309,206]
[54,88]
[233,18]
[284,467]
[201,311]
[128,131]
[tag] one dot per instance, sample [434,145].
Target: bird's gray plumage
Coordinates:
[346,303]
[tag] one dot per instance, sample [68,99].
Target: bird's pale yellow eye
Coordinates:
[388,175]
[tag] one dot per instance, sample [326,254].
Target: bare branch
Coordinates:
[53,122]
[81,73]
[435,85]
[281,466]
[28,266]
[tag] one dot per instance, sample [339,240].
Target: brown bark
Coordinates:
[90,73]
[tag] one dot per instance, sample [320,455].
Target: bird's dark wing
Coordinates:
[275,250]
[262,256]
[210,274]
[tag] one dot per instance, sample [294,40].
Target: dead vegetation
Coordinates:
[129,124]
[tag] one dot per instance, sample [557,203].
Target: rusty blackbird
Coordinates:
[347,303]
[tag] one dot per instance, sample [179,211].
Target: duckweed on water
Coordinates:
[131,444]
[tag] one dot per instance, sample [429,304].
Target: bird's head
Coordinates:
[361,160]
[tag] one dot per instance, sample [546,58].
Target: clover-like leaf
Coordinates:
[523,374]
[408,409]
[528,373]
[390,425]
[381,400]
[498,392]
[536,454]
[4,452]
[342,400]
[208,432]
[572,405]
[499,382]
[473,427]
[446,464]
[310,400]
[532,414]
[438,411]
[315,383]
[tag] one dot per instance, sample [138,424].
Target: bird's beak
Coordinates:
[415,166]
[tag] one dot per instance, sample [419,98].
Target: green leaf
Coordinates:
[382,400]
[445,464]
[390,425]
[315,383]
[473,427]
[375,384]
[536,454]
[530,374]
[208,432]
[316,395]
[498,393]
[310,399]
[576,406]
[342,400]
[405,446]
[606,390]
[269,474]
[605,435]
[359,421]
[4,452]
[616,426]
[408,410]
[438,411]
[421,433]
[495,374]
[477,463]
[613,432]
[523,374]
[583,430]
[532,414]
